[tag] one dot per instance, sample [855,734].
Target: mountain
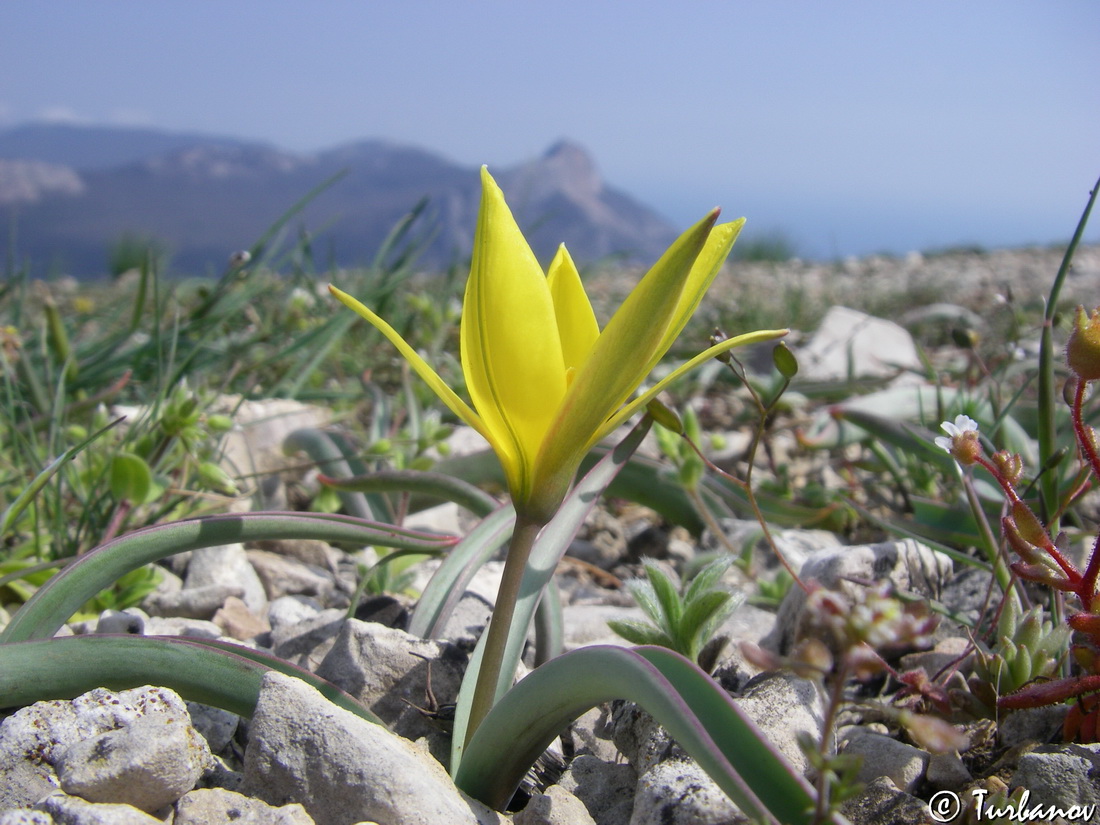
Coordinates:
[71,193]
[97,147]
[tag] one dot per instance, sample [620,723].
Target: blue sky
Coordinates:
[851,127]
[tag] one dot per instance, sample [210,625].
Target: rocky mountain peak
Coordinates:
[566,169]
[205,198]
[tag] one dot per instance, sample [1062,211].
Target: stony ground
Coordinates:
[301,760]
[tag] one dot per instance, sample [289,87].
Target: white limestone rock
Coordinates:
[64,809]
[148,764]
[555,807]
[212,806]
[35,738]
[850,343]
[344,769]
[883,755]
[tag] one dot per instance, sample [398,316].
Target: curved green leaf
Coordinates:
[451,578]
[330,458]
[698,714]
[215,673]
[436,485]
[549,626]
[63,594]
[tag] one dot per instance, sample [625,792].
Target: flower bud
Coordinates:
[665,416]
[1031,529]
[812,657]
[218,423]
[1042,574]
[1083,347]
[718,337]
[1009,465]
[784,361]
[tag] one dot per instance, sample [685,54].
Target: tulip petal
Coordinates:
[577,324]
[511,350]
[619,361]
[422,368]
[637,404]
[703,272]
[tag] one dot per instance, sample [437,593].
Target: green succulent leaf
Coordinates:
[672,608]
[646,598]
[639,633]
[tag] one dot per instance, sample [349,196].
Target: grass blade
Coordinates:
[1048,393]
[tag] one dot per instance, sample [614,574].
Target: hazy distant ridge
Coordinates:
[73,191]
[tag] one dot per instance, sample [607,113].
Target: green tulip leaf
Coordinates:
[52,605]
[547,551]
[215,673]
[698,714]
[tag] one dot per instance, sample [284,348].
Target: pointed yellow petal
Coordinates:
[511,351]
[577,324]
[703,271]
[620,358]
[637,404]
[422,368]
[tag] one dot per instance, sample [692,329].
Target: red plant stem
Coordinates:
[1087,589]
[1049,547]
[1040,694]
[1009,490]
[1088,448]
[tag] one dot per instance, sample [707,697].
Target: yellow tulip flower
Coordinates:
[546,383]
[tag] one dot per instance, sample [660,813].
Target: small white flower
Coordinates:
[963,424]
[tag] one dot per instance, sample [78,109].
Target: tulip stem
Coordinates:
[515,565]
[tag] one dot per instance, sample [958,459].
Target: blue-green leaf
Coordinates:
[215,673]
[698,714]
[57,600]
